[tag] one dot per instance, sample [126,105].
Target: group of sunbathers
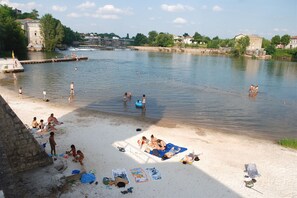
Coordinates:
[42,127]
[155,144]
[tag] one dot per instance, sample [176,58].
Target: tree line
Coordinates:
[238,46]
[13,38]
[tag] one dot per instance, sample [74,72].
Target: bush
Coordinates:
[289,143]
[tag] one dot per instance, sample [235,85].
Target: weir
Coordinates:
[53,60]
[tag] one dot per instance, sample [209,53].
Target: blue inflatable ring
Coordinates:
[138,104]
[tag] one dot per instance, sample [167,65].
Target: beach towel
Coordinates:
[160,153]
[122,173]
[252,171]
[154,173]
[139,175]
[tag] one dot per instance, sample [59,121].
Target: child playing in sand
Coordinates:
[79,157]
[72,151]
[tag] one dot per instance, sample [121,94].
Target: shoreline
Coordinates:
[164,122]
[220,167]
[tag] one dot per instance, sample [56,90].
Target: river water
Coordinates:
[207,91]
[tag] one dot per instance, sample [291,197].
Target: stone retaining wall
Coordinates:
[19,151]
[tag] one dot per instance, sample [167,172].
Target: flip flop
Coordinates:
[121,149]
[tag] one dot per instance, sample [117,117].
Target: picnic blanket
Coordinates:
[160,153]
[139,175]
[154,173]
[251,170]
[120,173]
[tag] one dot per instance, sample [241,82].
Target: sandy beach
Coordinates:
[219,173]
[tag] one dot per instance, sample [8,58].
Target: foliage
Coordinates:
[240,46]
[52,32]
[152,38]
[285,39]
[70,36]
[32,15]
[287,54]
[213,44]
[140,39]
[12,37]
[270,49]
[276,40]
[165,40]
[289,143]
[107,35]
[265,43]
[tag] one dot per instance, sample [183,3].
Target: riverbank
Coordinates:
[194,51]
[219,173]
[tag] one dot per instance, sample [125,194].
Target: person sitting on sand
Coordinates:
[52,119]
[72,151]
[170,153]
[142,141]
[35,123]
[50,127]
[190,158]
[41,124]
[161,145]
[153,142]
[79,157]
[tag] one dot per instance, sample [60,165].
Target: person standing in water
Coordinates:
[20,92]
[143,102]
[71,88]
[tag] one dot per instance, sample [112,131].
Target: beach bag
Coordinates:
[106,180]
[87,178]
[121,182]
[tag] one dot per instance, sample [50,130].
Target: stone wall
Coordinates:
[19,151]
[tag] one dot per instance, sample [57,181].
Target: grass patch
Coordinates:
[289,143]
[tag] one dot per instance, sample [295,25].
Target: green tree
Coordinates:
[275,40]
[32,15]
[140,39]
[197,37]
[52,31]
[12,37]
[285,39]
[266,43]
[241,45]
[165,40]
[152,35]
[270,49]
[70,36]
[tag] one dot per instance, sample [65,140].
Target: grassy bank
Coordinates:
[289,143]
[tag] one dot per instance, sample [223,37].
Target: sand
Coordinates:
[219,173]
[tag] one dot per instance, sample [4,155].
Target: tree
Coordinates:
[275,40]
[52,32]
[165,40]
[285,40]
[70,36]
[197,37]
[186,35]
[270,49]
[265,43]
[32,15]
[241,45]
[140,39]
[12,37]
[152,38]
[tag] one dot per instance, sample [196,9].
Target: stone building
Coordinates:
[255,42]
[19,152]
[293,43]
[33,33]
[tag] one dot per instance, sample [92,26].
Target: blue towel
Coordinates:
[160,153]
